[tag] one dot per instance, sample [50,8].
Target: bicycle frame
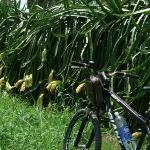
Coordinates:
[141,120]
[102,97]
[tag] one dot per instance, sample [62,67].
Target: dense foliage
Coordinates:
[38,46]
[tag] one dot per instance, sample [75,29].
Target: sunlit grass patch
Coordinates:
[25,127]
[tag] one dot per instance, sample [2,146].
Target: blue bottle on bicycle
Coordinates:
[124,132]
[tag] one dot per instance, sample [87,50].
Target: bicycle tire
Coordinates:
[85,120]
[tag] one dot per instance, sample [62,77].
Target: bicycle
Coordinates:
[91,117]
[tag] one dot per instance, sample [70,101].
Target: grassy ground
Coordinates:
[24,127]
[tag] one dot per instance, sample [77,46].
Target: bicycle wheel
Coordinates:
[83,132]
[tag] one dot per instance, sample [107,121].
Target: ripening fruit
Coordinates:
[18,83]
[136,135]
[8,86]
[1,79]
[44,55]
[2,82]
[51,87]
[28,80]
[1,70]
[23,87]
[51,76]
[80,87]
[40,101]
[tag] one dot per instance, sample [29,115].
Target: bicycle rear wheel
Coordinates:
[83,132]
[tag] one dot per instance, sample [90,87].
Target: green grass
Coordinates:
[23,127]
